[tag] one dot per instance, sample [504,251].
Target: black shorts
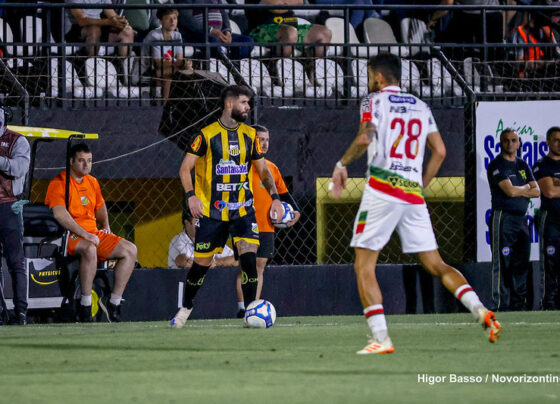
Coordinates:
[266,247]
[211,234]
[75,34]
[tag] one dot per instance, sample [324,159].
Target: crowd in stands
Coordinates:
[280,29]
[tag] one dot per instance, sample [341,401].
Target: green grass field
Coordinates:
[299,360]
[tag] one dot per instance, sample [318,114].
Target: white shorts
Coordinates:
[377,219]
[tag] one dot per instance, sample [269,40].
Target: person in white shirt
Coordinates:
[181,248]
[395,129]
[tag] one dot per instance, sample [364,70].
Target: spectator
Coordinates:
[90,27]
[14,164]
[181,248]
[142,20]
[159,55]
[192,25]
[281,26]
[511,185]
[85,212]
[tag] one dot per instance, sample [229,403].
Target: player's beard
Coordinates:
[238,115]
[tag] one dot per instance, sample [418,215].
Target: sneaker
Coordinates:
[85,314]
[114,313]
[375,347]
[18,319]
[240,313]
[181,317]
[488,321]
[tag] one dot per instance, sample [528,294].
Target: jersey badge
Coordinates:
[550,250]
[84,200]
[506,251]
[523,174]
[258,145]
[195,146]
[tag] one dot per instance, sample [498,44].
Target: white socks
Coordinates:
[240,305]
[115,299]
[375,316]
[85,300]
[469,298]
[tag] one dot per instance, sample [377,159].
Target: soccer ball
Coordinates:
[288,215]
[260,314]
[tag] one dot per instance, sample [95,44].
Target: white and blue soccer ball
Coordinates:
[286,217]
[260,314]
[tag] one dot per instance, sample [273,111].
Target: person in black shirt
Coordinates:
[547,174]
[511,185]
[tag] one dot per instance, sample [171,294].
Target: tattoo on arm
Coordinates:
[268,183]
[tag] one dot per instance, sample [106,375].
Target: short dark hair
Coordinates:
[550,131]
[388,65]
[260,128]
[234,91]
[506,130]
[78,148]
[162,12]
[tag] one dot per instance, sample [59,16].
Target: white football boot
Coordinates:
[376,347]
[181,317]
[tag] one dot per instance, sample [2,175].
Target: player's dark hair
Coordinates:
[388,65]
[234,92]
[162,12]
[506,130]
[260,128]
[550,131]
[78,148]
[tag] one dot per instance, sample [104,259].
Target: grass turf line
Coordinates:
[300,359]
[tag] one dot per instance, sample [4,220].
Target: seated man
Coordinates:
[87,211]
[165,59]
[181,248]
[281,26]
[191,25]
[88,26]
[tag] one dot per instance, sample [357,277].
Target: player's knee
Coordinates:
[87,251]
[132,251]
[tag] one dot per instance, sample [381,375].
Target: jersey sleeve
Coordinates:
[369,110]
[99,200]
[540,170]
[495,175]
[55,193]
[198,146]
[431,122]
[257,152]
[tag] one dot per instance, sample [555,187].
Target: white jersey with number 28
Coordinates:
[395,159]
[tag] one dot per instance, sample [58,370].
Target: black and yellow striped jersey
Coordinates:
[223,173]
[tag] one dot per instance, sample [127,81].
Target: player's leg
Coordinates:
[112,246]
[87,252]
[519,267]
[211,235]
[261,265]
[246,239]
[551,263]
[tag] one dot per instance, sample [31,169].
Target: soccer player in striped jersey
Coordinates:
[395,129]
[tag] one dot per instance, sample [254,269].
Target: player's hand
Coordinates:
[338,181]
[226,37]
[276,211]
[555,181]
[106,230]
[92,238]
[297,215]
[195,205]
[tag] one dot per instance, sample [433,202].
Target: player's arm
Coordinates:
[437,149]
[268,182]
[102,218]
[366,135]
[529,190]
[182,261]
[185,173]
[550,187]
[64,218]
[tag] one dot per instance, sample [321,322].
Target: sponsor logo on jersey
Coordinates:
[396,185]
[84,200]
[202,246]
[195,146]
[236,186]
[506,251]
[228,167]
[221,205]
[523,174]
[258,145]
[550,250]
[402,99]
[398,166]
[234,150]
[4,144]
[366,110]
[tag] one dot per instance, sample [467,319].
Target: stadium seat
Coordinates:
[256,75]
[101,74]
[441,79]
[336,25]
[73,84]
[411,80]
[359,72]
[291,75]
[472,76]
[329,77]
[214,65]
[414,31]
[377,31]
[6,36]
[307,13]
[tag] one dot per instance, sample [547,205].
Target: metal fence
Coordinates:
[308,103]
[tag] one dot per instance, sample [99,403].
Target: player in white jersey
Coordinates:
[395,129]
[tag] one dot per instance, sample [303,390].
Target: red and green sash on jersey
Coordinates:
[396,185]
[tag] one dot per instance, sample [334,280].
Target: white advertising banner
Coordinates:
[531,120]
